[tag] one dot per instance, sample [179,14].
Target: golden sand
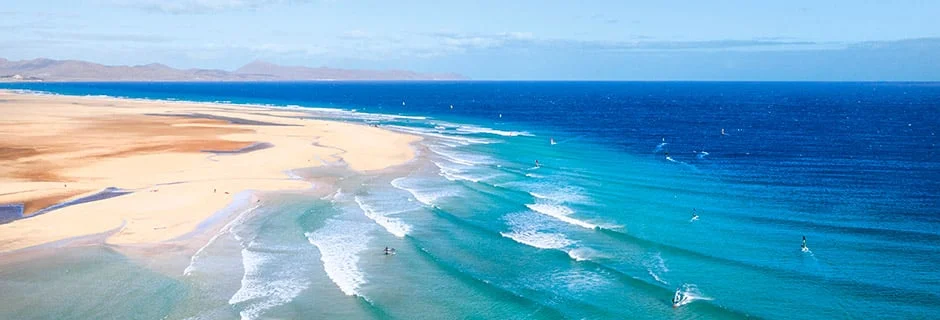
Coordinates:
[56,148]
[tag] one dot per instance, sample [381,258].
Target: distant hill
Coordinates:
[74,70]
[265,69]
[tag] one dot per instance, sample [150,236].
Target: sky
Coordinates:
[502,39]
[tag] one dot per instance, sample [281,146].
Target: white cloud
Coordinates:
[199,6]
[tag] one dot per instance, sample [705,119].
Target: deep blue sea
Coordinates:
[603,227]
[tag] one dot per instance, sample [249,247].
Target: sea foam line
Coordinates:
[393,225]
[583,254]
[429,133]
[426,197]
[690,293]
[469,129]
[340,242]
[462,158]
[559,212]
[655,266]
[258,292]
[538,239]
[239,219]
[534,230]
[550,191]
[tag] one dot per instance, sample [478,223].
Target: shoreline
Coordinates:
[170,177]
[304,109]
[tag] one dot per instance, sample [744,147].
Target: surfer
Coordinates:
[722,131]
[694,215]
[537,164]
[803,246]
[677,298]
[389,251]
[552,140]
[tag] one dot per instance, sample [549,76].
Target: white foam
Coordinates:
[656,277]
[449,144]
[550,209]
[534,230]
[551,191]
[407,117]
[454,172]
[559,212]
[393,225]
[469,129]
[239,219]
[660,263]
[457,175]
[462,140]
[340,242]
[681,163]
[583,254]
[462,158]
[427,196]
[538,239]
[659,147]
[690,293]
[261,289]
[655,267]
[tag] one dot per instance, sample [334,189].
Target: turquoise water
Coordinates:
[601,230]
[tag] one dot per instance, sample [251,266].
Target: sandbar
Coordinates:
[176,163]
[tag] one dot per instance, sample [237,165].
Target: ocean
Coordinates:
[559,200]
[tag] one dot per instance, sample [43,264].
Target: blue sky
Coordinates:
[593,40]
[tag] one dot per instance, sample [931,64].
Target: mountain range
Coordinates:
[75,70]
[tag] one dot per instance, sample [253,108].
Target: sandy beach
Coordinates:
[179,163]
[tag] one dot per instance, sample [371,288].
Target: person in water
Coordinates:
[803,246]
[388,251]
[694,215]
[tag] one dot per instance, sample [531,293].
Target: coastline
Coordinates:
[179,162]
[470,217]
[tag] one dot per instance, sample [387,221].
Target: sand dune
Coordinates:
[182,162]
